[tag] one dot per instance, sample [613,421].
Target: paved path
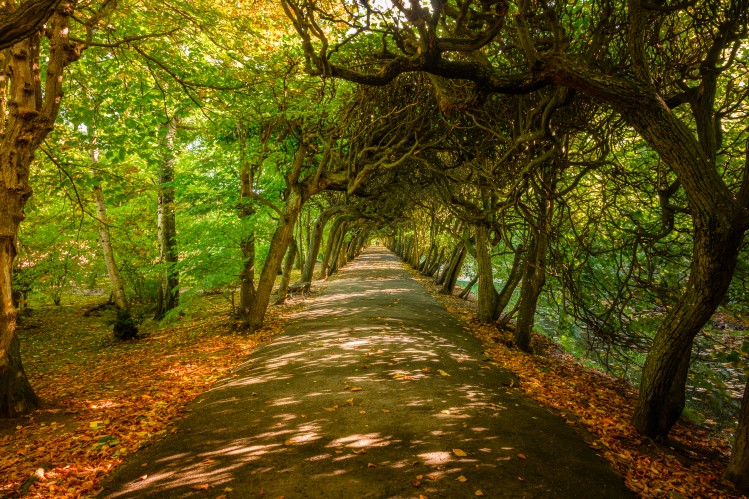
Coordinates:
[368,393]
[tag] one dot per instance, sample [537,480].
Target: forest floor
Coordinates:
[389,407]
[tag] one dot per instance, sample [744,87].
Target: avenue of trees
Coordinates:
[585,164]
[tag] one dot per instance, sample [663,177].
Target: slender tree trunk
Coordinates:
[488,297]
[283,287]
[448,286]
[516,274]
[124,327]
[336,256]
[738,466]
[534,277]
[467,290]
[434,266]
[299,262]
[316,240]
[281,238]
[330,246]
[168,288]
[450,263]
[246,210]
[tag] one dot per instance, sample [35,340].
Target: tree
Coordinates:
[660,92]
[31,114]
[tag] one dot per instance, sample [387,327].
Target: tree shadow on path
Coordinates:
[374,390]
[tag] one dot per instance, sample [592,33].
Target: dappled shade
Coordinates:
[374,390]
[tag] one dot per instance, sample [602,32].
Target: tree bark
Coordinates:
[453,257]
[329,247]
[314,246]
[168,287]
[662,389]
[16,395]
[28,116]
[25,20]
[738,466]
[516,274]
[281,238]
[283,287]
[336,255]
[448,286]
[488,296]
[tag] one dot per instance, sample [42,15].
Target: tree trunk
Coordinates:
[168,288]
[283,288]
[453,257]
[27,115]
[738,466]
[467,290]
[330,246]
[534,277]
[246,210]
[281,238]
[448,286]
[516,274]
[314,245]
[16,394]
[487,297]
[336,255]
[124,327]
[434,266]
[664,376]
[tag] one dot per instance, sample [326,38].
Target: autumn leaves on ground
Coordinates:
[108,400]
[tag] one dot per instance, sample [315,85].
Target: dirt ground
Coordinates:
[374,390]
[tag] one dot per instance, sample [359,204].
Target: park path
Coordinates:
[374,390]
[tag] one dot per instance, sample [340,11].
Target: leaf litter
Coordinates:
[111,399]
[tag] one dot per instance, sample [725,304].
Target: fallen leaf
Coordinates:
[288,442]
[360,451]
[356,389]
[459,453]
[462,479]
[202,486]
[386,410]
[371,465]
[443,373]
[479,493]
[522,456]
[416,482]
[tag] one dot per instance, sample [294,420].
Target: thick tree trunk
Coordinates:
[534,273]
[664,375]
[283,287]
[281,238]
[27,115]
[738,466]
[168,288]
[488,296]
[16,394]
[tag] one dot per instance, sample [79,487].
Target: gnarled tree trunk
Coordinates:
[31,115]
[488,296]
